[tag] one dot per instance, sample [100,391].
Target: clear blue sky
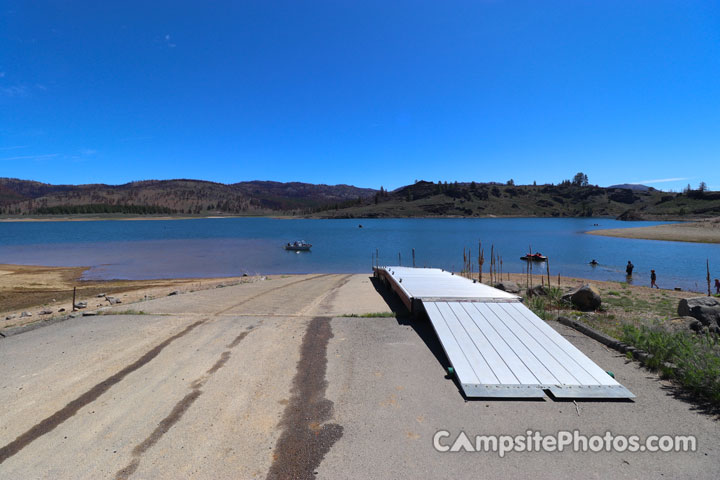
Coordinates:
[361,92]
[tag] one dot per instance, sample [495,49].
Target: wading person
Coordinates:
[653,277]
[717,286]
[629,269]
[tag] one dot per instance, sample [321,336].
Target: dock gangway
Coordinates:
[495,344]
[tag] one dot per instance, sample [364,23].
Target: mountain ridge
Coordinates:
[421,199]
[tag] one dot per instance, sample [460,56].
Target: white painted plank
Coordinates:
[567,361]
[580,358]
[536,348]
[516,365]
[474,357]
[540,372]
[494,361]
[463,370]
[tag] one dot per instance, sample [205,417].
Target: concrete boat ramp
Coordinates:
[495,344]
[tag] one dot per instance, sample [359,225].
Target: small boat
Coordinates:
[298,246]
[534,257]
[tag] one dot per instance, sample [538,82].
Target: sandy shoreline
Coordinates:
[705,231]
[33,289]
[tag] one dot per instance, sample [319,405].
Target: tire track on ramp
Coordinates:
[53,421]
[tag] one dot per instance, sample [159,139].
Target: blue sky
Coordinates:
[361,92]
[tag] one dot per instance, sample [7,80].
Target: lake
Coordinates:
[232,246]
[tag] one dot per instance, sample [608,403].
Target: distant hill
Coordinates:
[564,200]
[422,199]
[173,197]
[632,186]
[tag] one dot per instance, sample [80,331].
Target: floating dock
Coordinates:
[495,344]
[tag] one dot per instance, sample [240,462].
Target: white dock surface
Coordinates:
[496,345]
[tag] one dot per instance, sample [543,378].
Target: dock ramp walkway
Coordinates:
[495,344]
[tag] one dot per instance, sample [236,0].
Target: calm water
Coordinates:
[233,246]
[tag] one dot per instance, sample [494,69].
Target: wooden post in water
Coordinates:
[547,264]
[73,308]
[464,267]
[399,259]
[470,264]
[492,264]
[377,256]
[481,260]
[531,273]
[707,265]
[413,257]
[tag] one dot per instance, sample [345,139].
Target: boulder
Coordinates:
[508,286]
[704,309]
[684,324]
[25,314]
[537,291]
[112,300]
[81,305]
[585,298]
[46,312]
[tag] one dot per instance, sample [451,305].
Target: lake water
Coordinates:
[233,246]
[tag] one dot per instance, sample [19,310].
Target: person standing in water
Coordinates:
[629,268]
[653,278]
[717,286]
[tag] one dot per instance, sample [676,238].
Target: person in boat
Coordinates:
[629,268]
[653,278]
[593,262]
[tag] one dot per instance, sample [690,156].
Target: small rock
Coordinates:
[112,300]
[175,292]
[508,286]
[46,312]
[100,295]
[61,310]
[10,317]
[25,314]
[89,314]
[81,305]
[220,286]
